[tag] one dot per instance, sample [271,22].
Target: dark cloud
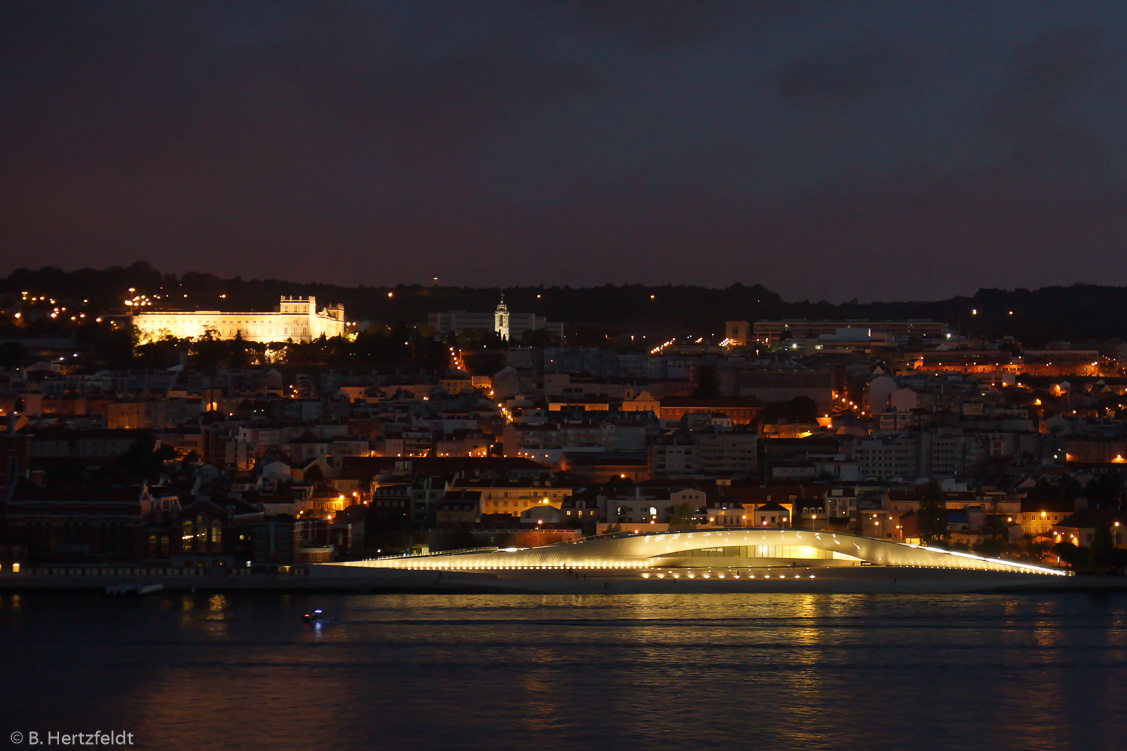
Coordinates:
[823,149]
[454,101]
[1049,211]
[1042,78]
[355,89]
[658,22]
[844,73]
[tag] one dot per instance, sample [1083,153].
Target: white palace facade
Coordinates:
[295,318]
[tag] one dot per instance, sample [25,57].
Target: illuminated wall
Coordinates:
[296,318]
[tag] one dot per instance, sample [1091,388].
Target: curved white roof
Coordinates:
[651,550]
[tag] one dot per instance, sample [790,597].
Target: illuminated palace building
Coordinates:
[295,318]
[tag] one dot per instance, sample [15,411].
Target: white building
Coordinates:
[504,322]
[295,318]
[923,453]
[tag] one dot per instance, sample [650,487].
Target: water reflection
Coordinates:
[540,710]
[217,615]
[579,671]
[1046,632]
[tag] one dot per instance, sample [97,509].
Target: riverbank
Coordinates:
[843,580]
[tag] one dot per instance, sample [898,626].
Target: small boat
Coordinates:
[318,617]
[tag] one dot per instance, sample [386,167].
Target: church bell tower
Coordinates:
[501,319]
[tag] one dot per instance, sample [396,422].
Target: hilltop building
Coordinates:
[736,333]
[771,332]
[506,324]
[295,318]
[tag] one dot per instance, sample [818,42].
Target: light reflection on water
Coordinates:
[573,671]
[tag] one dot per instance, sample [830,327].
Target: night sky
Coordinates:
[837,150]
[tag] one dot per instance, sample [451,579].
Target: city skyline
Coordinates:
[564,374]
[886,152]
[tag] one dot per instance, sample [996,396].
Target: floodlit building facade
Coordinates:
[729,548]
[295,318]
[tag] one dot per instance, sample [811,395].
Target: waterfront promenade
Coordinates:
[828,580]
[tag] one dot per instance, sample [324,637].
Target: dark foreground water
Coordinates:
[728,671]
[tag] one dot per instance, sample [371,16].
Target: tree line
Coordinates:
[603,313]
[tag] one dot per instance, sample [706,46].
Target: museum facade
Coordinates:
[710,549]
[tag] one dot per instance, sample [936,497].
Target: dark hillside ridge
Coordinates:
[1079,312]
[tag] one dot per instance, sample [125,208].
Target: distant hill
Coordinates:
[1079,312]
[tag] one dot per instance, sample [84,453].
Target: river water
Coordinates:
[678,671]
